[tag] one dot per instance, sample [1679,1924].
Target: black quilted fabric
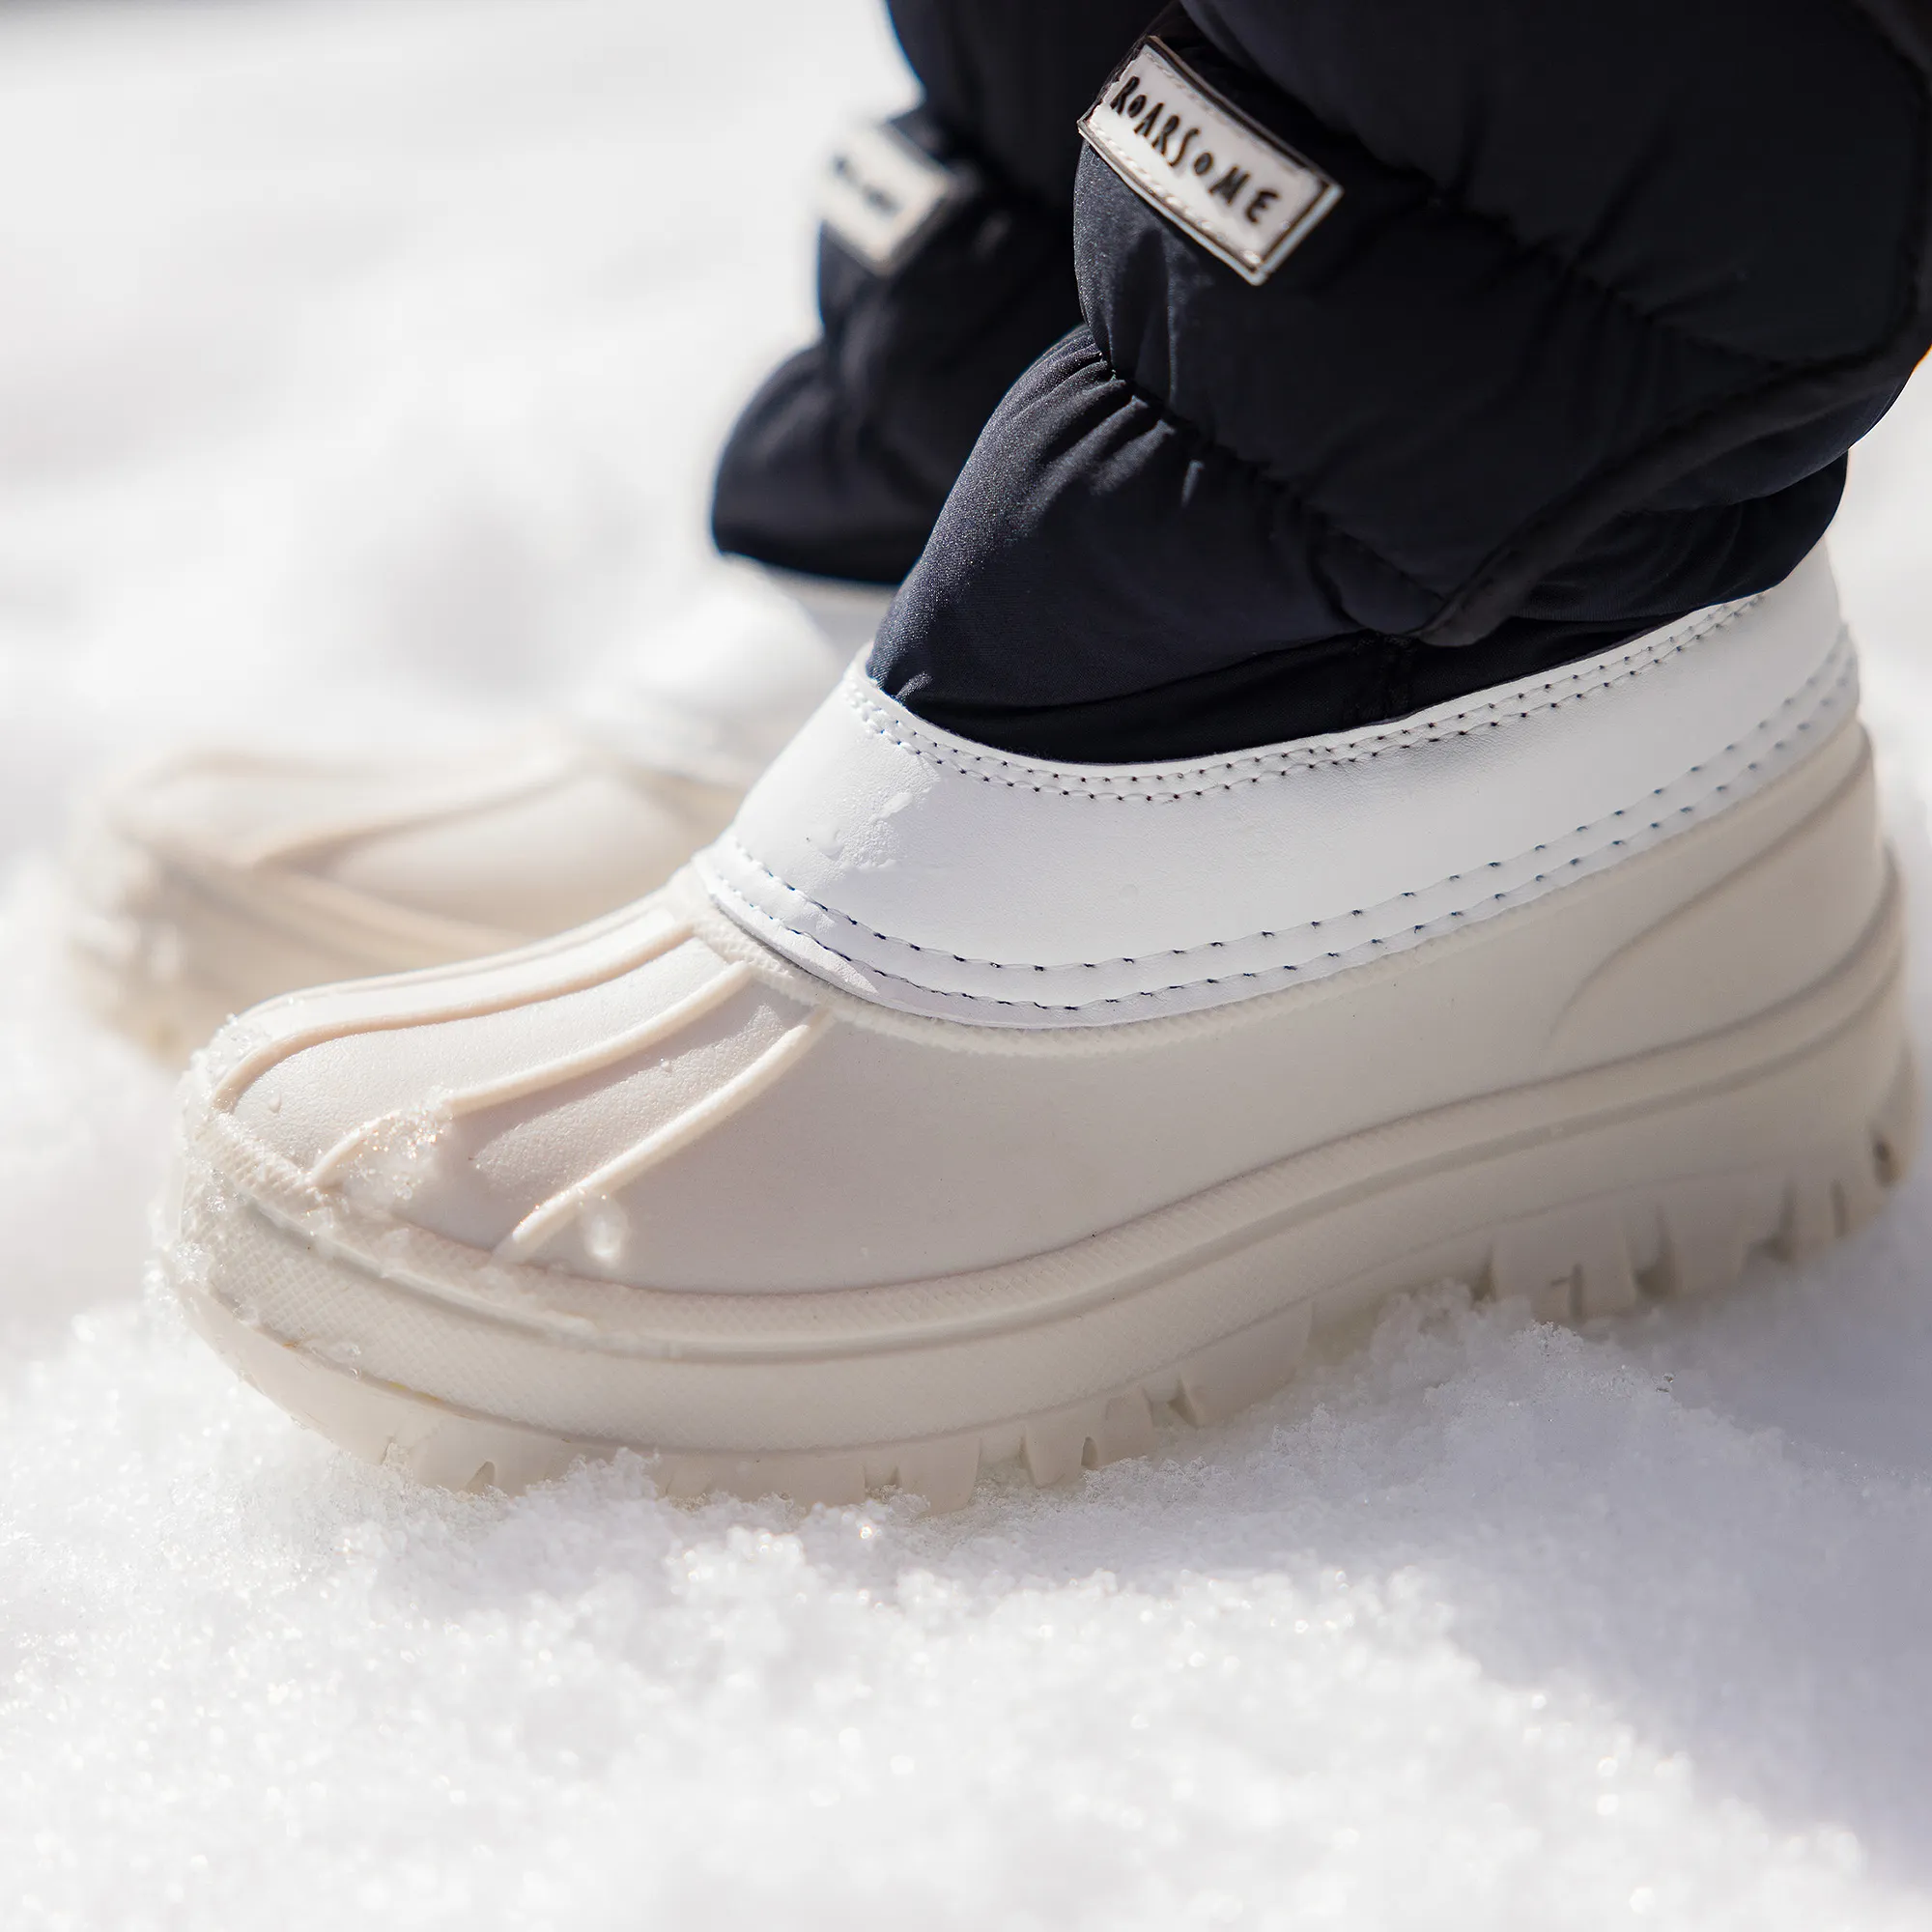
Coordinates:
[841,461]
[1612,286]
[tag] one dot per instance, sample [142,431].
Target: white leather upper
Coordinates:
[933,875]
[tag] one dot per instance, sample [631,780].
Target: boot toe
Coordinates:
[217,881]
[509,1107]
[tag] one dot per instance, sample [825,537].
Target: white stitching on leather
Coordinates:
[1840,655]
[898,728]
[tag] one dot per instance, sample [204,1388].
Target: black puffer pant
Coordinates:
[841,461]
[1609,289]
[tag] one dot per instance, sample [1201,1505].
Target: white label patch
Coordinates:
[1198,159]
[882,193]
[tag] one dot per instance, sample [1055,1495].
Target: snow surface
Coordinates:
[359,369]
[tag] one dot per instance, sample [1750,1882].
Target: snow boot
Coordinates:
[211,880]
[214,880]
[957,1106]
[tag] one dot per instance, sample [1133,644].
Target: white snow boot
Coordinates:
[216,879]
[956,1106]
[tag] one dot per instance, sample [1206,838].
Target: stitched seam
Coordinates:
[1525,542]
[1547,253]
[1758,371]
[1846,673]
[1165,412]
[1447,203]
[1253,767]
[1565,269]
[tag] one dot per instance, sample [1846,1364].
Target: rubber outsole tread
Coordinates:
[1578,1263]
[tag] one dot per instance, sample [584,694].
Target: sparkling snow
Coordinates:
[360,368]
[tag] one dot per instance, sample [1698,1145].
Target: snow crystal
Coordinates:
[356,378]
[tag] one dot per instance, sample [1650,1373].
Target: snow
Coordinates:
[360,368]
